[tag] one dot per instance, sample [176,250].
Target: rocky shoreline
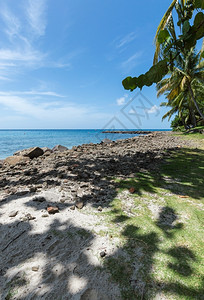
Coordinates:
[83,170]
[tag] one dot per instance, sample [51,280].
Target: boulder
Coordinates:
[30,152]
[59,148]
[14,160]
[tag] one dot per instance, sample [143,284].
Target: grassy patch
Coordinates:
[163,246]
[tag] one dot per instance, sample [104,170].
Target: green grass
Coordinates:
[162,240]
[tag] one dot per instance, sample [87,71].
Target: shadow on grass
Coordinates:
[135,271]
[181,174]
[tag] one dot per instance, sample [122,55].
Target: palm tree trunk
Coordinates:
[192,115]
[194,101]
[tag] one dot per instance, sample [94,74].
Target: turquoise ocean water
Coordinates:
[14,140]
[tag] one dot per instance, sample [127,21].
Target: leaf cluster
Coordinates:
[171,45]
[155,74]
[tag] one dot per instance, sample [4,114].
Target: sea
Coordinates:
[18,139]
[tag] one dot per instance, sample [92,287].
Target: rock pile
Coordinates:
[84,171]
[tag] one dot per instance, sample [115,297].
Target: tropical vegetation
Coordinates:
[184,89]
[178,70]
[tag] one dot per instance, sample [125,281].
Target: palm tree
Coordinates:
[183,86]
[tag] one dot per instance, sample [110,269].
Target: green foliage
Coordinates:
[163,36]
[155,74]
[168,44]
[199,25]
[199,4]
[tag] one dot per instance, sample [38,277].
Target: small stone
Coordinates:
[33,189]
[13,214]
[39,199]
[102,254]
[100,208]
[72,207]
[45,215]
[30,217]
[35,268]
[132,190]
[52,209]
[62,200]
[80,204]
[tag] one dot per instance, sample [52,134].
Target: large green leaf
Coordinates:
[199,25]
[130,83]
[163,36]
[186,27]
[154,75]
[199,4]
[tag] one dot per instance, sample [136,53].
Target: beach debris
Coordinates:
[183,196]
[52,209]
[100,208]
[13,213]
[79,204]
[132,190]
[72,207]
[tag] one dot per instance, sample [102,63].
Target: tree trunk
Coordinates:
[192,115]
[194,101]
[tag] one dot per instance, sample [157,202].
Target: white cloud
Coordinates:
[121,101]
[36,16]
[153,109]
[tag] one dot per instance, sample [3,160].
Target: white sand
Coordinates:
[63,250]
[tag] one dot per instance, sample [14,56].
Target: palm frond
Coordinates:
[161,26]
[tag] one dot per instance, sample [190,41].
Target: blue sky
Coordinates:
[62,63]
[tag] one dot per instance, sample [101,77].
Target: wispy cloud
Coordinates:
[32,93]
[19,51]
[36,16]
[126,40]
[28,112]
[131,62]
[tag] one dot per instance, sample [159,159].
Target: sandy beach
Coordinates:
[61,254]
